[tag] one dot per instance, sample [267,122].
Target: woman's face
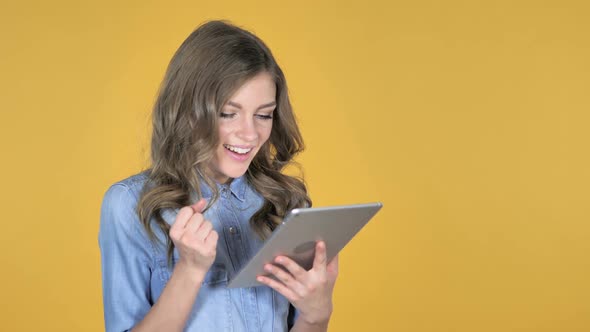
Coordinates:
[245,124]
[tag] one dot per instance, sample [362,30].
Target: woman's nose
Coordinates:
[247,129]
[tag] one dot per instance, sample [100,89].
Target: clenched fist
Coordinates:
[194,238]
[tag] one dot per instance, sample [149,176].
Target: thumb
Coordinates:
[199,206]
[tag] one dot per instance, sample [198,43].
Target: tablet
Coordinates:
[297,235]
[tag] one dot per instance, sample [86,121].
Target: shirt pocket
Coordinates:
[217,274]
[212,308]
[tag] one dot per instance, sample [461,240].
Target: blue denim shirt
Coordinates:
[135,269]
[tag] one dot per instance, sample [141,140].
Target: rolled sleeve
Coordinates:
[125,261]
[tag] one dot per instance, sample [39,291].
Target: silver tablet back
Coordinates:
[301,229]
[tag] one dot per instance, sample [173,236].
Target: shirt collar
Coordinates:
[237,187]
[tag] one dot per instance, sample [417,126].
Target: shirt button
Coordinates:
[232,230]
[224,190]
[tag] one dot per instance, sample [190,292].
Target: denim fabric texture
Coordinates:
[135,270]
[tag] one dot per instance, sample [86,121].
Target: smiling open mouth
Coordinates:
[236,149]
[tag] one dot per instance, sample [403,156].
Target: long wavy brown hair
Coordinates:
[210,65]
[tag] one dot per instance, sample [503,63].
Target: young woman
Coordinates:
[172,236]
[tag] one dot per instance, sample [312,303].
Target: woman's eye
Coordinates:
[227,115]
[264,116]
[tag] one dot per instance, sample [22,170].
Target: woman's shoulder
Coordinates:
[122,196]
[132,185]
[119,221]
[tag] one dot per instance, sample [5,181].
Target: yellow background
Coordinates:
[468,119]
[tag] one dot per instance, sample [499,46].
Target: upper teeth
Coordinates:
[236,149]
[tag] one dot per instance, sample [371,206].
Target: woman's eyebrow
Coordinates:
[267,105]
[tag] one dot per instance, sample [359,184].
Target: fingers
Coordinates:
[199,206]
[332,268]
[292,267]
[194,223]
[293,281]
[186,213]
[194,237]
[299,273]
[211,239]
[209,243]
[203,230]
[320,259]
[279,287]
[333,265]
[190,220]
[180,222]
[309,291]
[198,229]
[286,278]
